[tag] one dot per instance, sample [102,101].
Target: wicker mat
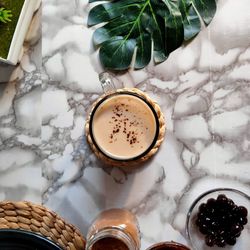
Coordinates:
[38,219]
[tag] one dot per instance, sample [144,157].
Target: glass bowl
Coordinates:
[197,239]
[15,239]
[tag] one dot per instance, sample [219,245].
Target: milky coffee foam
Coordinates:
[123,126]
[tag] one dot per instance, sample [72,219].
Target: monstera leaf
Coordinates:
[141,28]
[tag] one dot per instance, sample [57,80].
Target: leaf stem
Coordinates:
[134,25]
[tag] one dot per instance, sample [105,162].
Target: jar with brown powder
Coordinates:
[114,229]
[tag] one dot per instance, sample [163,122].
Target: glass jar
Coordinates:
[114,229]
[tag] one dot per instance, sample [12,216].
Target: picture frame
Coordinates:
[15,51]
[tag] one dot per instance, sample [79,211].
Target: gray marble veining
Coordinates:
[203,89]
[20,122]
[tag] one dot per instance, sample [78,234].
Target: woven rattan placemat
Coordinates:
[38,219]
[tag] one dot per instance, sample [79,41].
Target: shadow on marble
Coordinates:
[6,72]
[3,87]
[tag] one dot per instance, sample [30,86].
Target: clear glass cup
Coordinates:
[124,124]
[114,229]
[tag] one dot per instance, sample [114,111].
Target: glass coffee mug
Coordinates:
[125,126]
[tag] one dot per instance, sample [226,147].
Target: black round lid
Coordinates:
[11,239]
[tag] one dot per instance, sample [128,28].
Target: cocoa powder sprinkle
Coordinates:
[122,123]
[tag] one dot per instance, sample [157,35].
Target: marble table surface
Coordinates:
[203,89]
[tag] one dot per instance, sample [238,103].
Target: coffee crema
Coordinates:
[124,126]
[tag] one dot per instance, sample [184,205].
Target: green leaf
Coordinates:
[206,9]
[143,53]
[5,15]
[173,26]
[191,20]
[194,10]
[140,27]
[117,50]
[108,11]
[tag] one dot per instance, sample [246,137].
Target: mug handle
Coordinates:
[106,82]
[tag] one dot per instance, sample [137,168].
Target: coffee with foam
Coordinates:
[124,126]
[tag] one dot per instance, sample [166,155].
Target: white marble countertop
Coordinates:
[204,92]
